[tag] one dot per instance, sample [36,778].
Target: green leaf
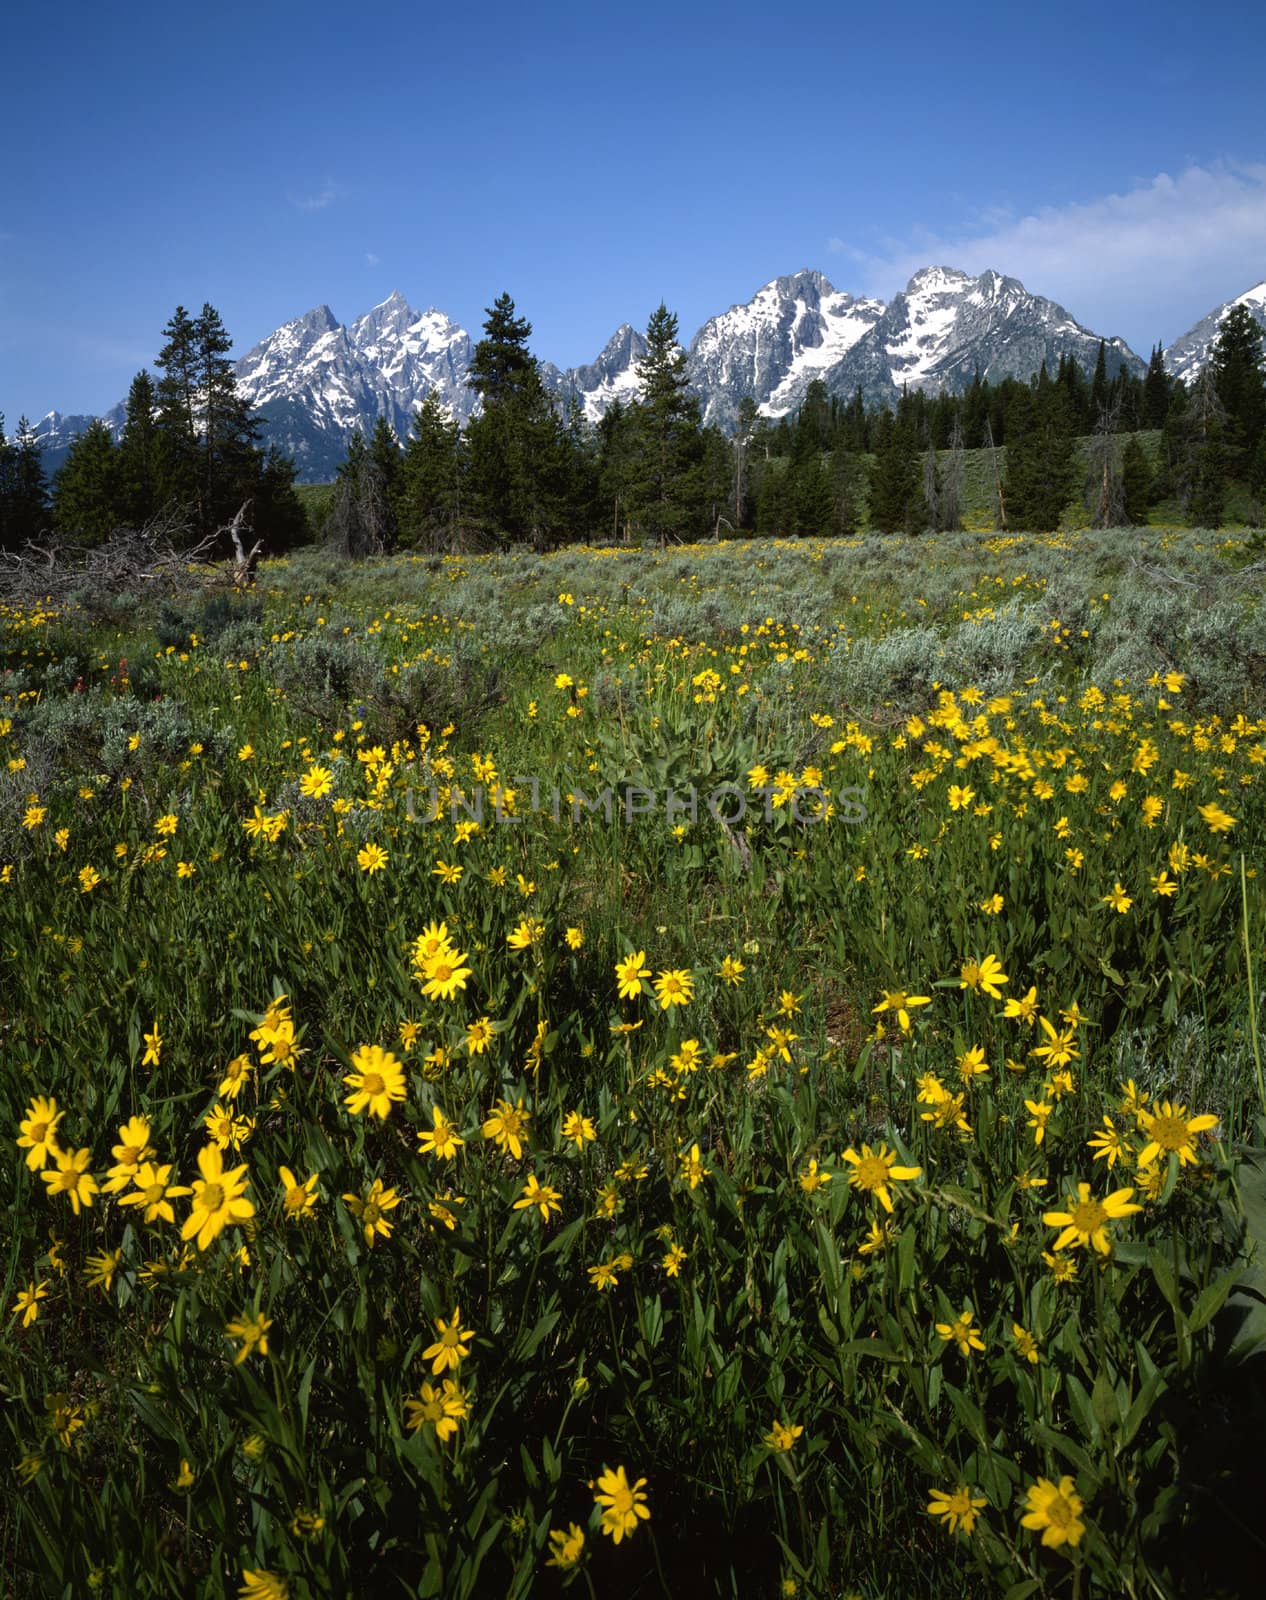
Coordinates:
[1210,1300]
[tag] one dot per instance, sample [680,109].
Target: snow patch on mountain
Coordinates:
[1189,354]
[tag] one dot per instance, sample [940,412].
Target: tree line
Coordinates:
[189,448]
[529,470]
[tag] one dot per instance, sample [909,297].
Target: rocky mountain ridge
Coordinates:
[315,381]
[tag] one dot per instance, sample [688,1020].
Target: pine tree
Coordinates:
[952,474]
[812,496]
[429,501]
[24,511]
[715,480]
[931,471]
[176,395]
[775,511]
[1156,391]
[385,462]
[139,449]
[1257,478]
[744,431]
[846,488]
[666,490]
[278,513]
[1136,482]
[896,500]
[517,449]
[1236,360]
[1105,491]
[617,457]
[1205,465]
[812,435]
[361,521]
[86,498]
[1099,384]
[1039,459]
[502,367]
[229,461]
[207,458]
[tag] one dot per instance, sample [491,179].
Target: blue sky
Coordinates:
[593,159]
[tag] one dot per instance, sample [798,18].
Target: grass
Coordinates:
[660,1219]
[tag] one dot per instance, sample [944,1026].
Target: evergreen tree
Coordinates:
[429,500]
[1105,490]
[855,424]
[666,489]
[931,471]
[502,367]
[812,496]
[952,475]
[1156,391]
[207,458]
[277,512]
[975,413]
[1099,385]
[385,462]
[775,510]
[745,427]
[1205,463]
[846,491]
[1039,459]
[1072,383]
[1257,479]
[139,450]
[1136,482]
[24,511]
[1236,360]
[715,481]
[516,446]
[617,456]
[86,499]
[176,395]
[361,522]
[896,499]
[812,435]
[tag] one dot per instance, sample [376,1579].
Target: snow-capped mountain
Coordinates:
[791,331]
[947,325]
[316,380]
[610,377]
[1188,356]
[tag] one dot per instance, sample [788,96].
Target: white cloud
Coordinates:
[1145,264]
[371,259]
[325,196]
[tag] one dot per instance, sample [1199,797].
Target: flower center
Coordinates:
[1169,1132]
[212,1196]
[371,1213]
[1089,1217]
[295,1198]
[372,1083]
[872,1173]
[154,1193]
[1059,1512]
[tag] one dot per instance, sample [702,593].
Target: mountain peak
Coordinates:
[935,280]
[1189,354]
[319,320]
[315,381]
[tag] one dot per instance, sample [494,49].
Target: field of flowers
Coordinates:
[429,1176]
